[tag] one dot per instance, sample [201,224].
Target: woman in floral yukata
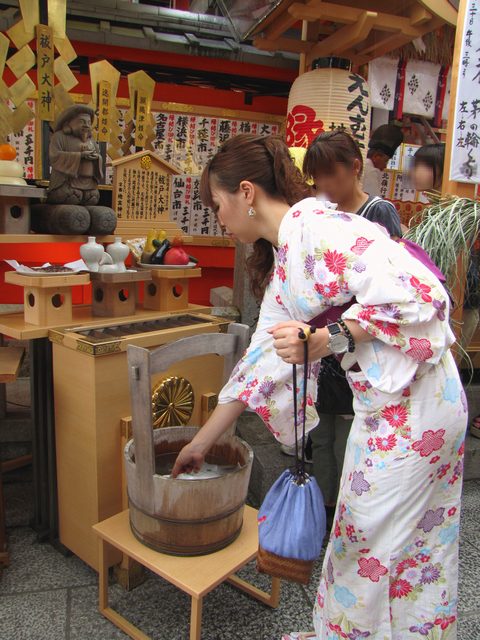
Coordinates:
[390,569]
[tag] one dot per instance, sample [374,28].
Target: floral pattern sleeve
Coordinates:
[261,380]
[395,297]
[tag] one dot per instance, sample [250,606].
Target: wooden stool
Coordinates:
[196,576]
[47,299]
[114,295]
[10,362]
[168,290]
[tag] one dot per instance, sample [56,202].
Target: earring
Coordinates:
[251,212]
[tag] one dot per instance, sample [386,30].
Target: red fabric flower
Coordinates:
[386,443]
[452,511]
[388,328]
[245,396]
[434,459]
[264,413]
[400,588]
[296,213]
[422,289]
[408,563]
[281,274]
[329,290]
[360,246]
[302,126]
[443,623]
[335,262]
[431,441]
[371,568]
[395,414]
[366,313]
[420,349]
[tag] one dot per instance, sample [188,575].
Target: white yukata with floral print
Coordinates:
[390,570]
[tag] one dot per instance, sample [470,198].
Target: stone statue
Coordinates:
[73,195]
[75,159]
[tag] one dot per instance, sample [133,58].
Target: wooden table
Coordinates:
[13,325]
[196,576]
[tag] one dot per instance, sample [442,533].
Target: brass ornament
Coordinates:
[172,402]
[146,163]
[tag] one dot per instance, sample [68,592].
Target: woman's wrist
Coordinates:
[318,345]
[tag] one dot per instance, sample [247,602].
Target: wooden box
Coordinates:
[15,207]
[92,395]
[168,290]
[115,294]
[47,299]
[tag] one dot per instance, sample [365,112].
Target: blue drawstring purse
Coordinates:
[292,520]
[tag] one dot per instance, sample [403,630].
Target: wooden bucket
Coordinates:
[188,517]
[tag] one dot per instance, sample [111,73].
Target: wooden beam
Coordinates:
[310,33]
[348,36]
[389,43]
[283,44]
[443,9]
[351,15]
[419,16]
[282,23]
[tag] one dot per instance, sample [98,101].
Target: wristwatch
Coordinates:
[338,342]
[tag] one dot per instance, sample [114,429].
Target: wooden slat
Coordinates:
[348,36]
[351,15]
[419,16]
[10,363]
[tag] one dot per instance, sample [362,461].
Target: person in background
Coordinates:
[427,175]
[334,163]
[427,172]
[382,146]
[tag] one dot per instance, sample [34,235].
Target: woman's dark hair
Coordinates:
[328,149]
[432,155]
[266,162]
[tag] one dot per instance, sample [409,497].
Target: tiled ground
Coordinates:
[46,596]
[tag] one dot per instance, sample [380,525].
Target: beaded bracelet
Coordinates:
[348,334]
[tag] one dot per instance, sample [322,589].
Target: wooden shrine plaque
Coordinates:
[141,191]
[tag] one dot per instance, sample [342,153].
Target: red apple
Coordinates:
[176,256]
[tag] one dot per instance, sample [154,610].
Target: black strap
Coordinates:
[300,473]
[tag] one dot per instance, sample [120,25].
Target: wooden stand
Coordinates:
[15,207]
[196,576]
[114,295]
[47,299]
[168,290]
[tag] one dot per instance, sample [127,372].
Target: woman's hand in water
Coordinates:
[190,459]
[192,455]
[290,348]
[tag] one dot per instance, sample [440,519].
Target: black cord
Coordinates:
[300,462]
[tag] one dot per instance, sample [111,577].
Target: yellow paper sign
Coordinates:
[19,35]
[65,49]
[21,90]
[21,61]
[21,117]
[141,113]
[45,74]
[104,110]
[64,74]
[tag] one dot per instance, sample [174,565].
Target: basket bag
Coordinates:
[292,520]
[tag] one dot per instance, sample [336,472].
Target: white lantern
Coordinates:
[328,97]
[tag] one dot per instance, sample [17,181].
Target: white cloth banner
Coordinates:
[465,163]
[421,82]
[382,80]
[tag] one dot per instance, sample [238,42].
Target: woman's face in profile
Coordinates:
[231,210]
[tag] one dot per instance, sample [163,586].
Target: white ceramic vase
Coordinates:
[119,253]
[92,253]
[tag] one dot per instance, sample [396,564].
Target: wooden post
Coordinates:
[448,186]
